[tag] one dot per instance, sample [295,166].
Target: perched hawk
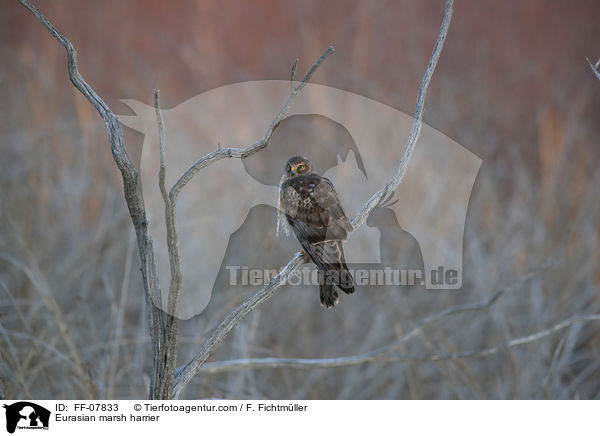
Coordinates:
[309,204]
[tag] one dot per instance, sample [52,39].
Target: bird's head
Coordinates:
[297,165]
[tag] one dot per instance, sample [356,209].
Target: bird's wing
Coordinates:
[329,258]
[327,198]
[306,232]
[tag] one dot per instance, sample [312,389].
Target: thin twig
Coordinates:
[185,374]
[594,67]
[162,172]
[519,341]
[293,72]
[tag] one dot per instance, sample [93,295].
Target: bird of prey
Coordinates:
[309,204]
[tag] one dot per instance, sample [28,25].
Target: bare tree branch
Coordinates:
[415,130]
[185,374]
[594,67]
[273,362]
[131,187]
[171,325]
[243,153]
[162,173]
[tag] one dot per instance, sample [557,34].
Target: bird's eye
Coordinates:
[301,167]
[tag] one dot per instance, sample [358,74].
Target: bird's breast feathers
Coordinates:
[301,193]
[312,199]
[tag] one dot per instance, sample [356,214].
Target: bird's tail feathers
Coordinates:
[328,256]
[328,294]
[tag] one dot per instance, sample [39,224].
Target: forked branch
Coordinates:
[169,357]
[131,187]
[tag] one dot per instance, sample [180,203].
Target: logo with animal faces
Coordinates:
[26,415]
[226,215]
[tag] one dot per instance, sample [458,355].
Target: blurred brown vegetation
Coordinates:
[513,86]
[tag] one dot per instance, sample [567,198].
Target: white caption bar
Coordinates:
[297,417]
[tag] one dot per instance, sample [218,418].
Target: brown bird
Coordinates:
[309,204]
